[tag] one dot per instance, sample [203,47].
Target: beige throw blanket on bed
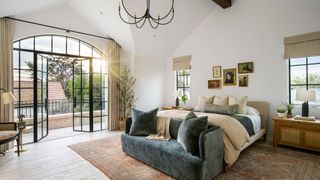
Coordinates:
[234,134]
[163,133]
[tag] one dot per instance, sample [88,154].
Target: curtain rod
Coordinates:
[59,28]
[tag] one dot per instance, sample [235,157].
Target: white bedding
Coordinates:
[256,121]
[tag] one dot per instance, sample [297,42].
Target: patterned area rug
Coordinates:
[259,161]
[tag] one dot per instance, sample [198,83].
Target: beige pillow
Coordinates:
[222,101]
[241,102]
[209,99]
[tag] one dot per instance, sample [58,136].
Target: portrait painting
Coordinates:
[216,70]
[230,77]
[243,80]
[214,84]
[246,67]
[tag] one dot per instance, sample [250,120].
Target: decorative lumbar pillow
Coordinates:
[222,101]
[252,111]
[189,132]
[229,110]
[143,123]
[241,102]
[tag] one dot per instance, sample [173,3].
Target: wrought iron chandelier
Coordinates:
[140,21]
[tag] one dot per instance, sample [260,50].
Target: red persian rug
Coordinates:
[259,161]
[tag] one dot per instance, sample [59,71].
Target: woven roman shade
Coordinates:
[304,45]
[181,63]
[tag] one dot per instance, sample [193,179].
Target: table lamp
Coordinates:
[7,97]
[306,96]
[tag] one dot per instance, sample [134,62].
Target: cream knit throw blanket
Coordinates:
[163,134]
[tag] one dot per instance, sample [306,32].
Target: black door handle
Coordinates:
[74,102]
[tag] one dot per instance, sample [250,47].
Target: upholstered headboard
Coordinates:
[263,108]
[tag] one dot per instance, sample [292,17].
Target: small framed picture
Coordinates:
[214,84]
[230,77]
[216,70]
[243,80]
[246,67]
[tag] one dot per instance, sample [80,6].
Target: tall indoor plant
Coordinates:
[126,97]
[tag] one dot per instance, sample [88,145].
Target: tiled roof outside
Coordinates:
[55,90]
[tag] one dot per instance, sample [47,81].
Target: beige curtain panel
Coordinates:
[304,45]
[114,74]
[6,71]
[181,63]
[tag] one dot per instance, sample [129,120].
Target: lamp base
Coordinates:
[305,109]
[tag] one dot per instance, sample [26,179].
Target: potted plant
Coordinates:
[289,108]
[126,97]
[282,112]
[184,99]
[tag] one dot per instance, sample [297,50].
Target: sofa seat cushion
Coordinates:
[7,134]
[167,156]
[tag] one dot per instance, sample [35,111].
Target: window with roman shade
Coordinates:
[182,68]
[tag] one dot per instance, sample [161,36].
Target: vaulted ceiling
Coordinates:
[103,16]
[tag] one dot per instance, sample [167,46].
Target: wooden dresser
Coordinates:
[296,133]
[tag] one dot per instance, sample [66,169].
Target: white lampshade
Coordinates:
[305,95]
[7,98]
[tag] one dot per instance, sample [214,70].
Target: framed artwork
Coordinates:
[230,77]
[246,67]
[243,80]
[216,70]
[214,84]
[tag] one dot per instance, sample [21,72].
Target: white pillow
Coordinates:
[241,102]
[222,101]
[252,111]
[201,104]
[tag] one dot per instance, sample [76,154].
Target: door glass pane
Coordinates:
[73,46]
[96,53]
[27,44]
[43,43]
[298,75]
[26,60]
[16,44]
[314,74]
[15,59]
[104,122]
[85,124]
[298,61]
[77,123]
[59,44]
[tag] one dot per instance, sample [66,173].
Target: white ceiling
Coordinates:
[103,16]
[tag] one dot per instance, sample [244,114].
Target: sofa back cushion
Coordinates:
[143,123]
[189,132]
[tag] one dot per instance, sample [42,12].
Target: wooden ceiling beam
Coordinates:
[223,3]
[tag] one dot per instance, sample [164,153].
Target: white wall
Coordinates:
[150,84]
[251,30]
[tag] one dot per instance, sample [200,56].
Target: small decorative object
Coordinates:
[214,84]
[306,96]
[178,95]
[126,97]
[243,80]
[139,20]
[246,67]
[230,77]
[216,70]
[309,118]
[281,113]
[289,108]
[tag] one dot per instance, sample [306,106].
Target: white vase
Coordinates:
[282,115]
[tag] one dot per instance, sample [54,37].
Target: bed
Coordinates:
[235,136]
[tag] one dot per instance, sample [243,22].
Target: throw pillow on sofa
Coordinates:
[143,123]
[189,132]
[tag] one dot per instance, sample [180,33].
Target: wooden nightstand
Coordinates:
[296,133]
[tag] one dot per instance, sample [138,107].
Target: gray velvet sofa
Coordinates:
[170,157]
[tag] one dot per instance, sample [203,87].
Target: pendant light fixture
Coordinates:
[154,22]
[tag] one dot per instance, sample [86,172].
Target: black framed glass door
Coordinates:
[90,95]
[41,97]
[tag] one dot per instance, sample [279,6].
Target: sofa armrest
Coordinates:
[128,125]
[211,150]
[8,126]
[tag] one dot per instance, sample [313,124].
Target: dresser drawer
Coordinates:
[312,139]
[290,136]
